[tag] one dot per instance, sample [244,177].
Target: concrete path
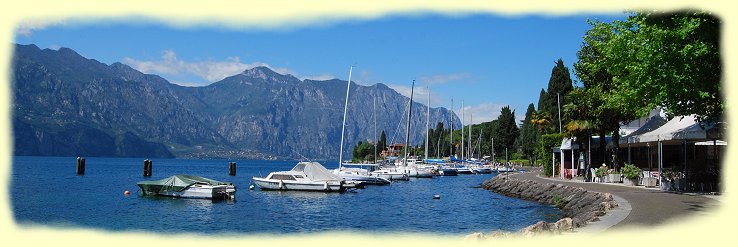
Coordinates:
[648,206]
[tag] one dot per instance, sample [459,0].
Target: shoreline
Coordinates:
[637,206]
[584,210]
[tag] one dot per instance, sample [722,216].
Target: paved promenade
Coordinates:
[648,206]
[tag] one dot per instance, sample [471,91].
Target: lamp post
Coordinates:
[558,99]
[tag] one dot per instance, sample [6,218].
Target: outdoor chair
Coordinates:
[594,177]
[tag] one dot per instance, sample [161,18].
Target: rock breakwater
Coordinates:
[578,205]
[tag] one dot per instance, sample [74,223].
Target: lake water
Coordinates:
[47,191]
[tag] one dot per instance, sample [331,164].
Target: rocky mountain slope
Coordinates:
[68,105]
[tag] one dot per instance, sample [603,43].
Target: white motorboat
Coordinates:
[390,174]
[306,176]
[360,175]
[482,170]
[188,186]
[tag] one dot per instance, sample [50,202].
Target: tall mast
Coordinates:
[407,134]
[462,129]
[427,125]
[479,143]
[471,149]
[343,126]
[374,112]
[451,122]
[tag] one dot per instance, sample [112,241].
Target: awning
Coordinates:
[653,123]
[567,144]
[678,129]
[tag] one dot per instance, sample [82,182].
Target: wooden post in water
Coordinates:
[80,166]
[232,168]
[147,168]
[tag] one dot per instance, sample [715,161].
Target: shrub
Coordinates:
[631,171]
[601,171]
[556,200]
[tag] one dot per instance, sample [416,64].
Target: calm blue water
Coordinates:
[46,191]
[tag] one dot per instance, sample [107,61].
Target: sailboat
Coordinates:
[356,174]
[409,166]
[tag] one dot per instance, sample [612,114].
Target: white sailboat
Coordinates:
[411,169]
[356,174]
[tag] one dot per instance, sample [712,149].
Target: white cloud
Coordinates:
[485,112]
[26,27]
[420,94]
[321,77]
[443,79]
[209,70]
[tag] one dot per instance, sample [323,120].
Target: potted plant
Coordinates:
[631,174]
[601,173]
[613,176]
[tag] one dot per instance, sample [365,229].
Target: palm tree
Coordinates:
[541,119]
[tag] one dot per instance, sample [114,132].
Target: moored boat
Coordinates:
[188,186]
[390,174]
[360,175]
[305,176]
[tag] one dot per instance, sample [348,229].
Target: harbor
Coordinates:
[96,200]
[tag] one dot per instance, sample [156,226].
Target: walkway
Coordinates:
[649,206]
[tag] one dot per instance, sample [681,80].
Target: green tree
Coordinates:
[382,144]
[528,133]
[559,84]
[670,59]
[507,130]
[363,151]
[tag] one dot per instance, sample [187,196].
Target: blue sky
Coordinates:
[486,60]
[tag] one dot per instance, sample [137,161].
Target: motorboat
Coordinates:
[188,186]
[305,176]
[461,169]
[447,171]
[360,175]
[481,170]
[390,174]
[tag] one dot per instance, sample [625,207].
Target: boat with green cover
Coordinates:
[188,186]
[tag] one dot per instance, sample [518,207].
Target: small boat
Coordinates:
[447,171]
[482,170]
[306,176]
[359,175]
[461,169]
[188,186]
[390,174]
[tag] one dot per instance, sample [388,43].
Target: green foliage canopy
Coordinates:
[671,60]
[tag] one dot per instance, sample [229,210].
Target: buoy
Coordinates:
[436,196]
[126,192]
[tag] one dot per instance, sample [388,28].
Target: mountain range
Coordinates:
[67,105]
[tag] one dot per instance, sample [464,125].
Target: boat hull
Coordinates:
[273,184]
[482,170]
[447,172]
[196,192]
[392,176]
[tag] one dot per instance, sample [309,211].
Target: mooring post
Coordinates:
[80,166]
[232,168]
[147,168]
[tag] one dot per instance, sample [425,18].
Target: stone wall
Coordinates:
[580,205]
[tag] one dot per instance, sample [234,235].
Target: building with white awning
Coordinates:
[678,152]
